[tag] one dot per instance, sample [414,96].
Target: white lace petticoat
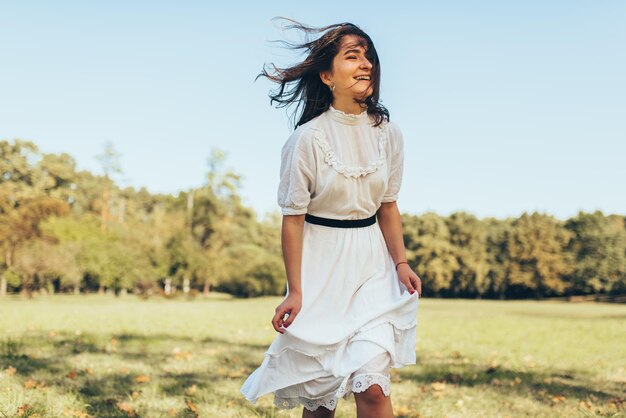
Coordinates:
[358,384]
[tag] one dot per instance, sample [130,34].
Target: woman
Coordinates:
[351,304]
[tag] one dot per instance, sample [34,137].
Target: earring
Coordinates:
[332,86]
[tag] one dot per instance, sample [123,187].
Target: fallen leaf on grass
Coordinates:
[75,414]
[191,390]
[192,406]
[558,398]
[33,384]
[72,375]
[438,386]
[10,371]
[124,370]
[586,404]
[403,411]
[21,410]
[135,394]
[142,378]
[171,412]
[127,409]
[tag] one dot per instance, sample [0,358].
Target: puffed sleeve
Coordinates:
[297,175]
[396,162]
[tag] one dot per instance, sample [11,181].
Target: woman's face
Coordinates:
[351,71]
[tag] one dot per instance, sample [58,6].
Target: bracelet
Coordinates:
[405,262]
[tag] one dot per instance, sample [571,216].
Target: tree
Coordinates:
[429,250]
[467,235]
[497,256]
[110,161]
[21,224]
[538,260]
[599,250]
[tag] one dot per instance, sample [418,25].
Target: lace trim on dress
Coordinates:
[351,171]
[362,382]
[329,402]
[341,115]
[357,384]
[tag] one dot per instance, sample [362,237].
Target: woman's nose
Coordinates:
[366,64]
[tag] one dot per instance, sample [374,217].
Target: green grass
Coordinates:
[67,356]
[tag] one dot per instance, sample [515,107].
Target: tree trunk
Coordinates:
[76,289]
[168,286]
[101,290]
[3,285]
[186,285]
[9,262]
[105,206]
[207,287]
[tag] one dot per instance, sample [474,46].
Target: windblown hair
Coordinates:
[301,84]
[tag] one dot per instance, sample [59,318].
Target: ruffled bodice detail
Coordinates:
[349,171]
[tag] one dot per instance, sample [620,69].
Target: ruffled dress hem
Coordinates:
[401,349]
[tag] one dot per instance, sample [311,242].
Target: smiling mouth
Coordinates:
[362,78]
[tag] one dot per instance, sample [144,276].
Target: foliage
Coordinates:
[63,230]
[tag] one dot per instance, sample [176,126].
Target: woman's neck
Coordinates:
[348,105]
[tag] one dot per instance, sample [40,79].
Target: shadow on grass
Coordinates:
[506,381]
[53,358]
[223,361]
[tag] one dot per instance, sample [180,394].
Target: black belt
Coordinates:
[340,223]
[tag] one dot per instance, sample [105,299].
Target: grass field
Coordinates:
[101,356]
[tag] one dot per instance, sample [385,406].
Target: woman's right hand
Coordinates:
[291,305]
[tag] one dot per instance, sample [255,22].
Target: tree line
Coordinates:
[64,230]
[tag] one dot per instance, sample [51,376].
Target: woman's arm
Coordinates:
[291,240]
[390,223]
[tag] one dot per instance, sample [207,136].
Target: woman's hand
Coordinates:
[291,305]
[407,276]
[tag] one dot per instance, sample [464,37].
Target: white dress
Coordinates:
[357,319]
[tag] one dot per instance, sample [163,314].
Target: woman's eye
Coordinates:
[352,57]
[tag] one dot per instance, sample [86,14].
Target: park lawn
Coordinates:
[102,356]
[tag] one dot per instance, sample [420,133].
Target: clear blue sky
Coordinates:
[505,106]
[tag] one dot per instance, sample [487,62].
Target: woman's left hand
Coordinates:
[407,277]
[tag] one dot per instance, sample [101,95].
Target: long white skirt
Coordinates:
[357,320]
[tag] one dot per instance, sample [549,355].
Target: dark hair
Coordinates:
[301,83]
